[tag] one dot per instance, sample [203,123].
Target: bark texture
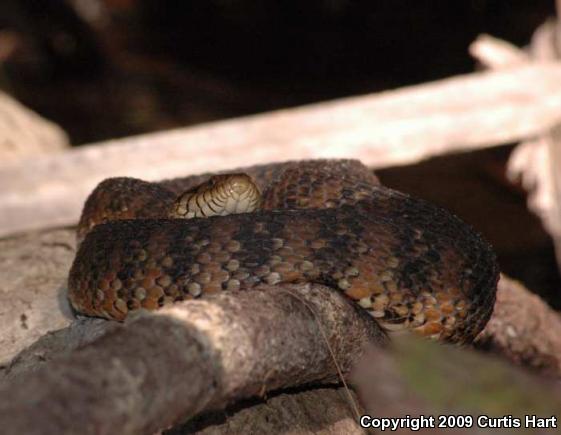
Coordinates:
[33,271]
[524,329]
[160,369]
[163,368]
[318,411]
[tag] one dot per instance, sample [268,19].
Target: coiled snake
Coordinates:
[409,263]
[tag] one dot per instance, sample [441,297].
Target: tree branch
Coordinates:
[165,367]
[397,127]
[524,329]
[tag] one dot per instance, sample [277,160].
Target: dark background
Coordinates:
[143,65]
[109,68]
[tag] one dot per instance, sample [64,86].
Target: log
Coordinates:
[534,163]
[33,302]
[33,271]
[396,127]
[524,329]
[26,135]
[162,368]
[516,310]
[318,411]
[165,367]
[389,379]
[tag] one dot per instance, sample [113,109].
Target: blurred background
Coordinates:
[111,68]
[104,69]
[107,69]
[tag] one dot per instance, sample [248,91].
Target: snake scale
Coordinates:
[411,264]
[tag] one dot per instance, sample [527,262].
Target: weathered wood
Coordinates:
[241,359]
[165,367]
[390,128]
[524,329]
[529,318]
[496,53]
[25,134]
[543,156]
[536,162]
[33,271]
[319,411]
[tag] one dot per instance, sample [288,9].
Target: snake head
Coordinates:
[220,195]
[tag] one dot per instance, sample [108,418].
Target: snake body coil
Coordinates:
[409,263]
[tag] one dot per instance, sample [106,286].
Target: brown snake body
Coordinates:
[409,263]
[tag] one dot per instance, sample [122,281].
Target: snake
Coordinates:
[412,265]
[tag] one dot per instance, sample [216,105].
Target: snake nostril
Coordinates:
[238,188]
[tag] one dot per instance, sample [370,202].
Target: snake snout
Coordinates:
[239,183]
[242,195]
